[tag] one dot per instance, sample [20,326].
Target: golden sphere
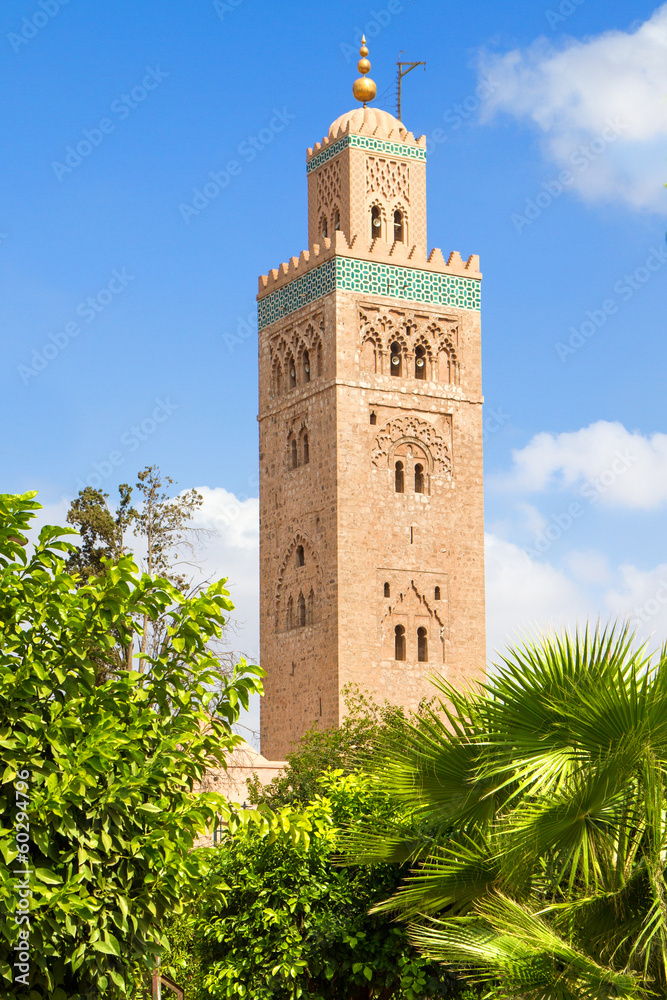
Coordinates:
[363,51]
[364,66]
[364,89]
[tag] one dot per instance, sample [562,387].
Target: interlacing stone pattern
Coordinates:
[369,278]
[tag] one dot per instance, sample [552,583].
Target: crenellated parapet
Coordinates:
[395,272]
[378,251]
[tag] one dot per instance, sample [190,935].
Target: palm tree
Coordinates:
[537,842]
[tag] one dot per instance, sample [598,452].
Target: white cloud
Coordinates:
[527,597]
[232,550]
[574,92]
[588,566]
[524,595]
[605,461]
[641,595]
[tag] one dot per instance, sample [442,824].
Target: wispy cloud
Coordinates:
[573,92]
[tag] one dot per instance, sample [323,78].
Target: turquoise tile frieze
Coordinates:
[367,142]
[369,278]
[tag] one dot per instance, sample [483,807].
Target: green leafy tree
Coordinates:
[102,532]
[349,747]
[538,823]
[161,528]
[100,776]
[278,919]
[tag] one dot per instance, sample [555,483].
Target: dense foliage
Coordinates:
[96,779]
[350,747]
[538,837]
[278,919]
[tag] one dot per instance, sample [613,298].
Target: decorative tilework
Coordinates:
[369,143]
[310,286]
[369,278]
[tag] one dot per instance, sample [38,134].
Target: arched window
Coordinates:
[311,607]
[300,559]
[279,380]
[301,611]
[374,418]
[306,450]
[289,620]
[437,593]
[399,478]
[420,362]
[387,590]
[419,478]
[324,229]
[291,373]
[320,359]
[395,359]
[376,222]
[336,220]
[422,645]
[306,367]
[295,456]
[399,642]
[398,227]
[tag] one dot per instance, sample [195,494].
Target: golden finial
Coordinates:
[364,89]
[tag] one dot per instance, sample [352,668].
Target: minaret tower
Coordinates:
[370,428]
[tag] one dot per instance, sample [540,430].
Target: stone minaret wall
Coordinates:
[345,558]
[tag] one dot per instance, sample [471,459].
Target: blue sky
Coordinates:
[160,367]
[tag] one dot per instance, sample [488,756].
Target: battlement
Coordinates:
[378,251]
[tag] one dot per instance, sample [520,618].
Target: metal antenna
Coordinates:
[401,73]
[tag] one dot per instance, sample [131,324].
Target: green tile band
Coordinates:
[402,149]
[369,278]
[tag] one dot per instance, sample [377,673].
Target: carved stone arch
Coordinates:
[371,349]
[448,365]
[294,579]
[290,367]
[309,334]
[277,378]
[399,206]
[411,610]
[281,349]
[413,447]
[447,361]
[376,207]
[411,428]
[303,355]
[422,341]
